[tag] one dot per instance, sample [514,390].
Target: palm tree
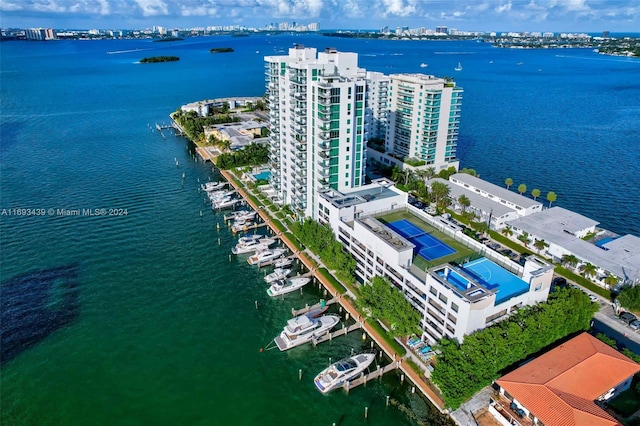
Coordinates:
[522,188]
[588,270]
[439,191]
[611,280]
[508,182]
[535,193]
[396,173]
[551,197]
[464,202]
[430,172]
[569,259]
[524,238]
[507,231]
[540,245]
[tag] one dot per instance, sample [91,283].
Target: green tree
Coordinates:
[445,173]
[611,280]
[508,182]
[629,298]
[507,231]
[551,197]
[389,305]
[463,369]
[535,193]
[522,188]
[482,227]
[570,260]
[464,202]
[540,245]
[439,192]
[471,172]
[588,270]
[524,238]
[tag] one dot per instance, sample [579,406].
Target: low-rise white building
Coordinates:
[453,300]
[563,231]
[521,205]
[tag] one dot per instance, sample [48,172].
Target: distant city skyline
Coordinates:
[469,15]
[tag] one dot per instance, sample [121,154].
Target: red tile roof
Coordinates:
[560,387]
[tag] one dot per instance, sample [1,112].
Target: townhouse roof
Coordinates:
[560,386]
[495,190]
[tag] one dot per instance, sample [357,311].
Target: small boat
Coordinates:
[253,246]
[218,195]
[281,287]
[249,238]
[459,67]
[282,262]
[241,214]
[303,329]
[277,274]
[224,203]
[213,186]
[338,373]
[423,65]
[265,256]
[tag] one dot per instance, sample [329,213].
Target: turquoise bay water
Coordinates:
[166,330]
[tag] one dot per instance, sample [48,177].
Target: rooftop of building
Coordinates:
[560,386]
[378,189]
[620,256]
[495,190]
[477,201]
[480,278]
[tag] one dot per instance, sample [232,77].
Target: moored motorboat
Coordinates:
[303,329]
[281,287]
[342,371]
[277,274]
[252,246]
[213,186]
[265,256]
[224,203]
[282,262]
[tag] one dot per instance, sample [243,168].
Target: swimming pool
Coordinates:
[493,276]
[266,175]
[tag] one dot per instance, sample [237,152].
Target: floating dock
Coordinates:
[341,332]
[363,379]
[308,308]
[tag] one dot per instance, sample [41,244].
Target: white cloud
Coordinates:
[153,7]
[8,6]
[503,7]
[398,8]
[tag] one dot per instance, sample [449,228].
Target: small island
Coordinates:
[221,49]
[165,39]
[153,59]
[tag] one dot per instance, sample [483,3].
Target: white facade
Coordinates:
[377,105]
[424,119]
[563,231]
[316,117]
[447,310]
[523,206]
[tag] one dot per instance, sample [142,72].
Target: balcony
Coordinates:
[323,173]
[324,145]
[324,118]
[324,136]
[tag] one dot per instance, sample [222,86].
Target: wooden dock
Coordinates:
[296,312]
[363,379]
[205,154]
[341,332]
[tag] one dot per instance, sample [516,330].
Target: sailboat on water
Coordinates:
[459,67]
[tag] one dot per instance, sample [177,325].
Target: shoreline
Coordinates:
[406,369]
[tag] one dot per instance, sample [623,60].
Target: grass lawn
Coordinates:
[628,402]
[462,252]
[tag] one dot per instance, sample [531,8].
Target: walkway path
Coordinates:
[344,301]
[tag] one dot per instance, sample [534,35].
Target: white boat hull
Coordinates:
[326,323]
[287,286]
[335,376]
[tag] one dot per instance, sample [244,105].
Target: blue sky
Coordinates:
[472,15]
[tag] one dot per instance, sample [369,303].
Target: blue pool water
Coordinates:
[456,279]
[263,175]
[427,246]
[493,276]
[604,241]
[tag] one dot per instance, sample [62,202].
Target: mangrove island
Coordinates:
[221,49]
[159,59]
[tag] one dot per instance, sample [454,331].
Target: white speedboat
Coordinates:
[423,65]
[303,329]
[277,274]
[241,215]
[342,371]
[459,67]
[213,186]
[241,226]
[282,262]
[281,287]
[224,203]
[249,238]
[252,246]
[218,195]
[265,256]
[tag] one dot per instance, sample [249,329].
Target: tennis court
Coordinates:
[427,246]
